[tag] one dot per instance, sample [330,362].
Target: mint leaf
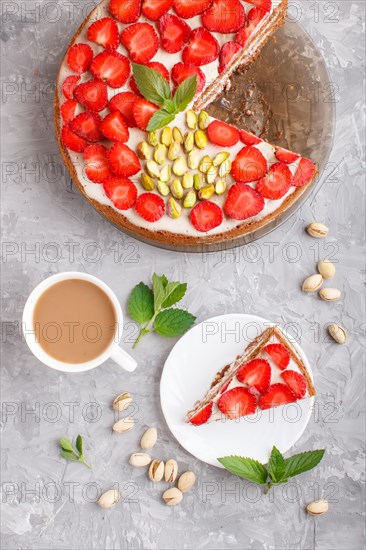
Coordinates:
[160,119]
[68,455]
[302,462]
[245,467]
[173,322]
[174,292]
[276,465]
[159,291]
[151,84]
[164,280]
[169,106]
[79,444]
[141,303]
[66,445]
[185,92]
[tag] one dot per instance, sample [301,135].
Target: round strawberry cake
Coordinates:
[134,133]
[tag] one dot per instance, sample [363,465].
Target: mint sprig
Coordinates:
[69,452]
[278,470]
[156,89]
[151,308]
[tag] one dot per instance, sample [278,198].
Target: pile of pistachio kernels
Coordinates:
[176,164]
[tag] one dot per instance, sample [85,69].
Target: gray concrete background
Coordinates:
[48,227]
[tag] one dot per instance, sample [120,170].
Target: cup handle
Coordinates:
[123,359]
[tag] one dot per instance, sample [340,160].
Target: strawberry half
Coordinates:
[174,33]
[222,134]
[68,110]
[227,53]
[159,67]
[181,71]
[111,67]
[92,94]
[243,202]
[71,140]
[121,191]
[256,373]
[276,183]
[143,110]
[237,402]
[69,86]
[264,5]
[126,11]
[283,155]
[224,16]
[206,216]
[304,174]
[150,207]
[192,8]
[79,57]
[114,127]
[141,41]
[202,48]
[202,415]
[86,125]
[296,382]
[254,17]
[279,353]
[249,139]
[154,9]
[277,394]
[97,165]
[104,32]
[124,162]
[249,165]
[123,102]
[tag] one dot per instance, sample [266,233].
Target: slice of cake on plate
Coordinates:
[270,373]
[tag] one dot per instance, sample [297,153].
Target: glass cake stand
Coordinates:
[285,97]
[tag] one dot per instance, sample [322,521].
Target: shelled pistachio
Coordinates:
[174,209]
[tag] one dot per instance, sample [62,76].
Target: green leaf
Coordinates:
[164,280]
[67,445]
[160,119]
[173,322]
[185,92]
[69,456]
[245,467]
[151,84]
[79,444]
[170,106]
[174,292]
[276,465]
[159,291]
[302,462]
[141,303]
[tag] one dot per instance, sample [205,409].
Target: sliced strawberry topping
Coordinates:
[276,183]
[154,9]
[249,165]
[225,386]
[121,191]
[126,11]
[97,165]
[304,174]
[69,86]
[296,382]
[224,16]
[174,33]
[181,71]
[279,353]
[190,9]
[277,394]
[71,140]
[202,48]
[254,17]
[68,110]
[237,402]
[143,110]
[114,127]
[124,162]
[227,53]
[92,94]
[159,67]
[86,125]
[256,373]
[206,216]
[202,415]
[149,206]
[79,57]
[243,202]
[264,5]
[111,67]
[222,134]
[283,155]
[123,103]
[249,139]
[104,32]
[141,41]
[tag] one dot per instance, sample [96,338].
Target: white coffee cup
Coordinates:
[114,351]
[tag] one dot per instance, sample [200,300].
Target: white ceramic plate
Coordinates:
[187,375]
